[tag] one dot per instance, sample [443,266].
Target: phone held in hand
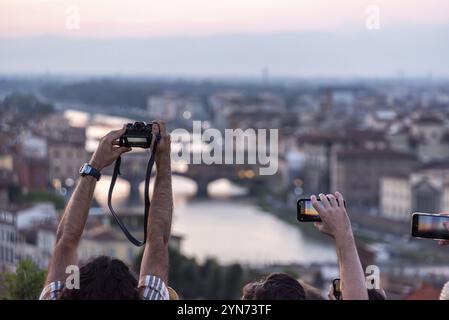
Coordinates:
[429,226]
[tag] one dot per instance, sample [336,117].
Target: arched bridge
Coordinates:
[134,165]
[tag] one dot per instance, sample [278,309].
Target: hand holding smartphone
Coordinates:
[429,226]
[305,212]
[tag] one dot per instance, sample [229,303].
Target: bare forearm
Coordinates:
[155,256]
[160,218]
[351,271]
[70,230]
[75,215]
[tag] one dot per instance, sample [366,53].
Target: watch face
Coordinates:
[85,169]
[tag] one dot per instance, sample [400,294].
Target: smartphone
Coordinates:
[429,226]
[305,212]
[336,284]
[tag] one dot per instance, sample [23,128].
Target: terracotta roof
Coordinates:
[435,165]
[375,153]
[429,119]
[425,292]
[397,175]
[358,136]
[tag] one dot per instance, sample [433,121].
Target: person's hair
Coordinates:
[277,286]
[104,278]
[374,294]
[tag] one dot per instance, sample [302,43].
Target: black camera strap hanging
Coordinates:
[115,174]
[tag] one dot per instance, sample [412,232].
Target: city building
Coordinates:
[32,174]
[236,110]
[396,197]
[172,106]
[424,190]
[30,163]
[357,174]
[8,236]
[426,135]
[37,243]
[66,149]
[6,179]
[317,148]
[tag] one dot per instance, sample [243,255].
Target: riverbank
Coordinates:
[368,230]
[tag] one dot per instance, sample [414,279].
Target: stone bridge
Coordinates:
[134,165]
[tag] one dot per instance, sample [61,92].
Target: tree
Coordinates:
[26,283]
[233,281]
[40,196]
[26,104]
[208,280]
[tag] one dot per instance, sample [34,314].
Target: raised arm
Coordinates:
[155,256]
[72,223]
[335,222]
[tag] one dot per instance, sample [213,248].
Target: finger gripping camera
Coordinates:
[137,134]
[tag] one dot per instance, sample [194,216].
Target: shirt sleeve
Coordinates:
[52,291]
[153,288]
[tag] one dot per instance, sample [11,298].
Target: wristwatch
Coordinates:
[87,170]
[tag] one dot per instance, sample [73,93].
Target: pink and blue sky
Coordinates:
[111,18]
[232,37]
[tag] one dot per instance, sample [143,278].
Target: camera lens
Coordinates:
[139,126]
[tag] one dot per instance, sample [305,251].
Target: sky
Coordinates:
[111,18]
[217,37]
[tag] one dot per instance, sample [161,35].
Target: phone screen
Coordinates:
[309,209]
[306,212]
[430,226]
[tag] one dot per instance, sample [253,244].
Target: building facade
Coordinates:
[357,174]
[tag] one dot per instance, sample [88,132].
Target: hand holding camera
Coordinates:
[108,150]
[163,151]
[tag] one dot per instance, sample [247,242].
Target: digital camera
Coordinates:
[137,134]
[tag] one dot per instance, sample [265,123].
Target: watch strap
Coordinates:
[88,170]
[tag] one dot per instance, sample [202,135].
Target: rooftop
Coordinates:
[375,153]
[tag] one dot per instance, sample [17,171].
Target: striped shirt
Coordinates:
[153,288]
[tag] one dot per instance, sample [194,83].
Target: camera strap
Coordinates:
[146,197]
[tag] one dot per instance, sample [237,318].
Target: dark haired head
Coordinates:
[277,286]
[104,278]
